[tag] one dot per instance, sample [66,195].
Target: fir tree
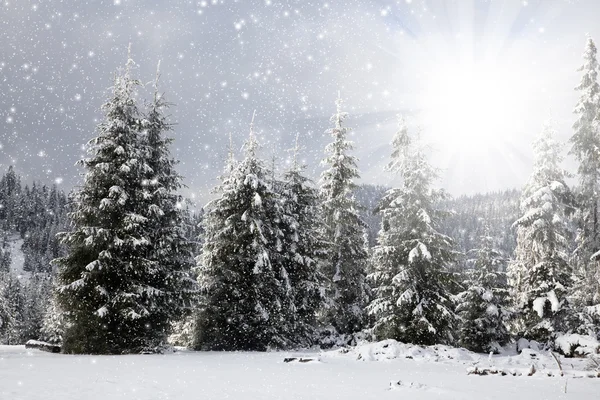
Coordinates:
[54,321]
[13,310]
[10,206]
[540,275]
[36,293]
[482,308]
[411,260]
[5,256]
[585,144]
[246,289]
[303,249]
[184,331]
[343,232]
[116,293]
[170,251]
[7,317]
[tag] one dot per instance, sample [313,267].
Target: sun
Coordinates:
[470,106]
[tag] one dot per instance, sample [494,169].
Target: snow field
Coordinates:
[382,372]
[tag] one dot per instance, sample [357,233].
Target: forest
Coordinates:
[123,264]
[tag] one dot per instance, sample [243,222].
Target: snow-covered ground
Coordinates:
[375,371]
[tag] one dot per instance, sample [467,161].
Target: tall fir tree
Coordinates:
[410,263]
[6,315]
[244,284]
[170,249]
[482,309]
[585,144]
[540,274]
[343,231]
[303,248]
[116,292]
[12,310]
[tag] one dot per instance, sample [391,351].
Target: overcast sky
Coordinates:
[222,59]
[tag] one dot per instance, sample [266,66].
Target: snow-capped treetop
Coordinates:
[587,106]
[400,144]
[251,145]
[338,180]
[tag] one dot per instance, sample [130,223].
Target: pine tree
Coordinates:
[344,233]
[242,276]
[13,312]
[170,252]
[303,249]
[10,206]
[411,260]
[540,275]
[54,322]
[7,317]
[5,256]
[36,293]
[585,144]
[482,308]
[114,291]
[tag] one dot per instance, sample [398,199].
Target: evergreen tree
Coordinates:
[36,293]
[246,289]
[303,249]
[540,275]
[54,321]
[184,331]
[170,251]
[7,317]
[410,263]
[585,144]
[482,308]
[5,257]
[344,233]
[10,205]
[116,292]
[13,310]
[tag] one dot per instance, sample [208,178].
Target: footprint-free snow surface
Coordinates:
[385,370]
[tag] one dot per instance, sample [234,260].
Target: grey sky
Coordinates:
[287,59]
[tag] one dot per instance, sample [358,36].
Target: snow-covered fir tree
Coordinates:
[54,321]
[171,250]
[37,291]
[10,206]
[13,310]
[540,275]
[585,144]
[482,308]
[118,286]
[344,231]
[246,290]
[5,256]
[303,248]
[410,263]
[7,317]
